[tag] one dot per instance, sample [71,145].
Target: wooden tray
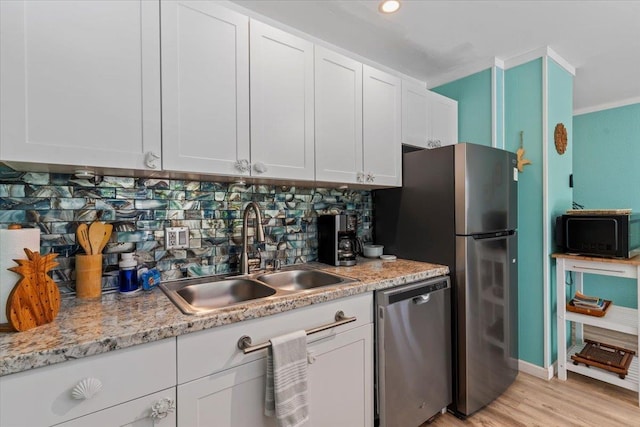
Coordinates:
[604,356]
[588,311]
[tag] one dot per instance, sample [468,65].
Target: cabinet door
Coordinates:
[415,124]
[80,83]
[137,413]
[381,128]
[341,379]
[281,104]
[340,388]
[231,398]
[338,117]
[443,120]
[205,88]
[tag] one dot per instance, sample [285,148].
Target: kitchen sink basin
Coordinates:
[296,280]
[192,298]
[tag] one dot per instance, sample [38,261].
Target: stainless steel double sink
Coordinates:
[206,294]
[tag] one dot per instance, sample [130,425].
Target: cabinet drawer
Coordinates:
[602,268]
[137,413]
[206,352]
[43,396]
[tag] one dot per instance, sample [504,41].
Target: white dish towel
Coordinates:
[286,388]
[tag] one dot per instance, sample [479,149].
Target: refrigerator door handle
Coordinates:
[498,235]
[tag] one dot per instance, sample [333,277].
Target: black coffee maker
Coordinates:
[337,240]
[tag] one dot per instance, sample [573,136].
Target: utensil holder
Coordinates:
[88,276]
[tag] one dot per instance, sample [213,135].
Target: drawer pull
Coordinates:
[86,388]
[162,408]
[244,343]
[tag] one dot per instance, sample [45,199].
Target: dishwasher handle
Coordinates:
[416,292]
[422,299]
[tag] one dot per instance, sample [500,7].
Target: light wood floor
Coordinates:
[530,402]
[579,401]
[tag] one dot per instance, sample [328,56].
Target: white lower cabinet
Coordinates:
[340,388]
[219,385]
[55,394]
[155,410]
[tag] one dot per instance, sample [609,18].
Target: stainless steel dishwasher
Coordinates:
[413,352]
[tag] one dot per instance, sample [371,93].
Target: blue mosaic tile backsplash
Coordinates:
[140,209]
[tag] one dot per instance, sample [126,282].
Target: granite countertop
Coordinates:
[88,327]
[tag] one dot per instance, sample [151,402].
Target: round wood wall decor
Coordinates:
[560,138]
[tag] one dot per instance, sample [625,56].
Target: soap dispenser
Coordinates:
[128,274]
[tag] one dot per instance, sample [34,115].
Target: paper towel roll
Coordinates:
[12,244]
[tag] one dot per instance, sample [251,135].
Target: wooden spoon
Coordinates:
[96,234]
[108,228]
[82,236]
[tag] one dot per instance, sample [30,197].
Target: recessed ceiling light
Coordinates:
[389,6]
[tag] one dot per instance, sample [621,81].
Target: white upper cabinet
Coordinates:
[205,88]
[282,104]
[381,128]
[415,123]
[338,117]
[428,119]
[443,120]
[80,83]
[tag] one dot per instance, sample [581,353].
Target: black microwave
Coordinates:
[599,235]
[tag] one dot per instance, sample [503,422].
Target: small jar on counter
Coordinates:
[128,274]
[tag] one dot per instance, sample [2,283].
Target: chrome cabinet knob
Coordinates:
[370,177]
[360,177]
[150,159]
[162,408]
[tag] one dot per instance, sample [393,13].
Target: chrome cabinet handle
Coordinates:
[245,344]
[260,167]
[162,408]
[86,388]
[360,177]
[370,177]
[243,165]
[150,159]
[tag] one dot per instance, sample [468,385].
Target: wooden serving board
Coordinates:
[35,300]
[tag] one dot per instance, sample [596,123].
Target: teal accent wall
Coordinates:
[499,89]
[606,174]
[473,94]
[559,169]
[523,112]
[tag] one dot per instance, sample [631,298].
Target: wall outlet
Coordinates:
[176,237]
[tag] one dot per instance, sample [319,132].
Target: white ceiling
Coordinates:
[431,39]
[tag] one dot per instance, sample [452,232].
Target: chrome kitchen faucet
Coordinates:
[244,257]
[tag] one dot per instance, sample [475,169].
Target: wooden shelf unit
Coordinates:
[621,319]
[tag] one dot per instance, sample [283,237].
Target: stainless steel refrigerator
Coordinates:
[458,207]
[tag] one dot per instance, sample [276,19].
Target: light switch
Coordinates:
[176,237]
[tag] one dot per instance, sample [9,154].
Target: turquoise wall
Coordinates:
[607,175]
[523,112]
[473,94]
[559,169]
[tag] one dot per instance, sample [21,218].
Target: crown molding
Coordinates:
[465,71]
[514,61]
[607,106]
[541,52]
